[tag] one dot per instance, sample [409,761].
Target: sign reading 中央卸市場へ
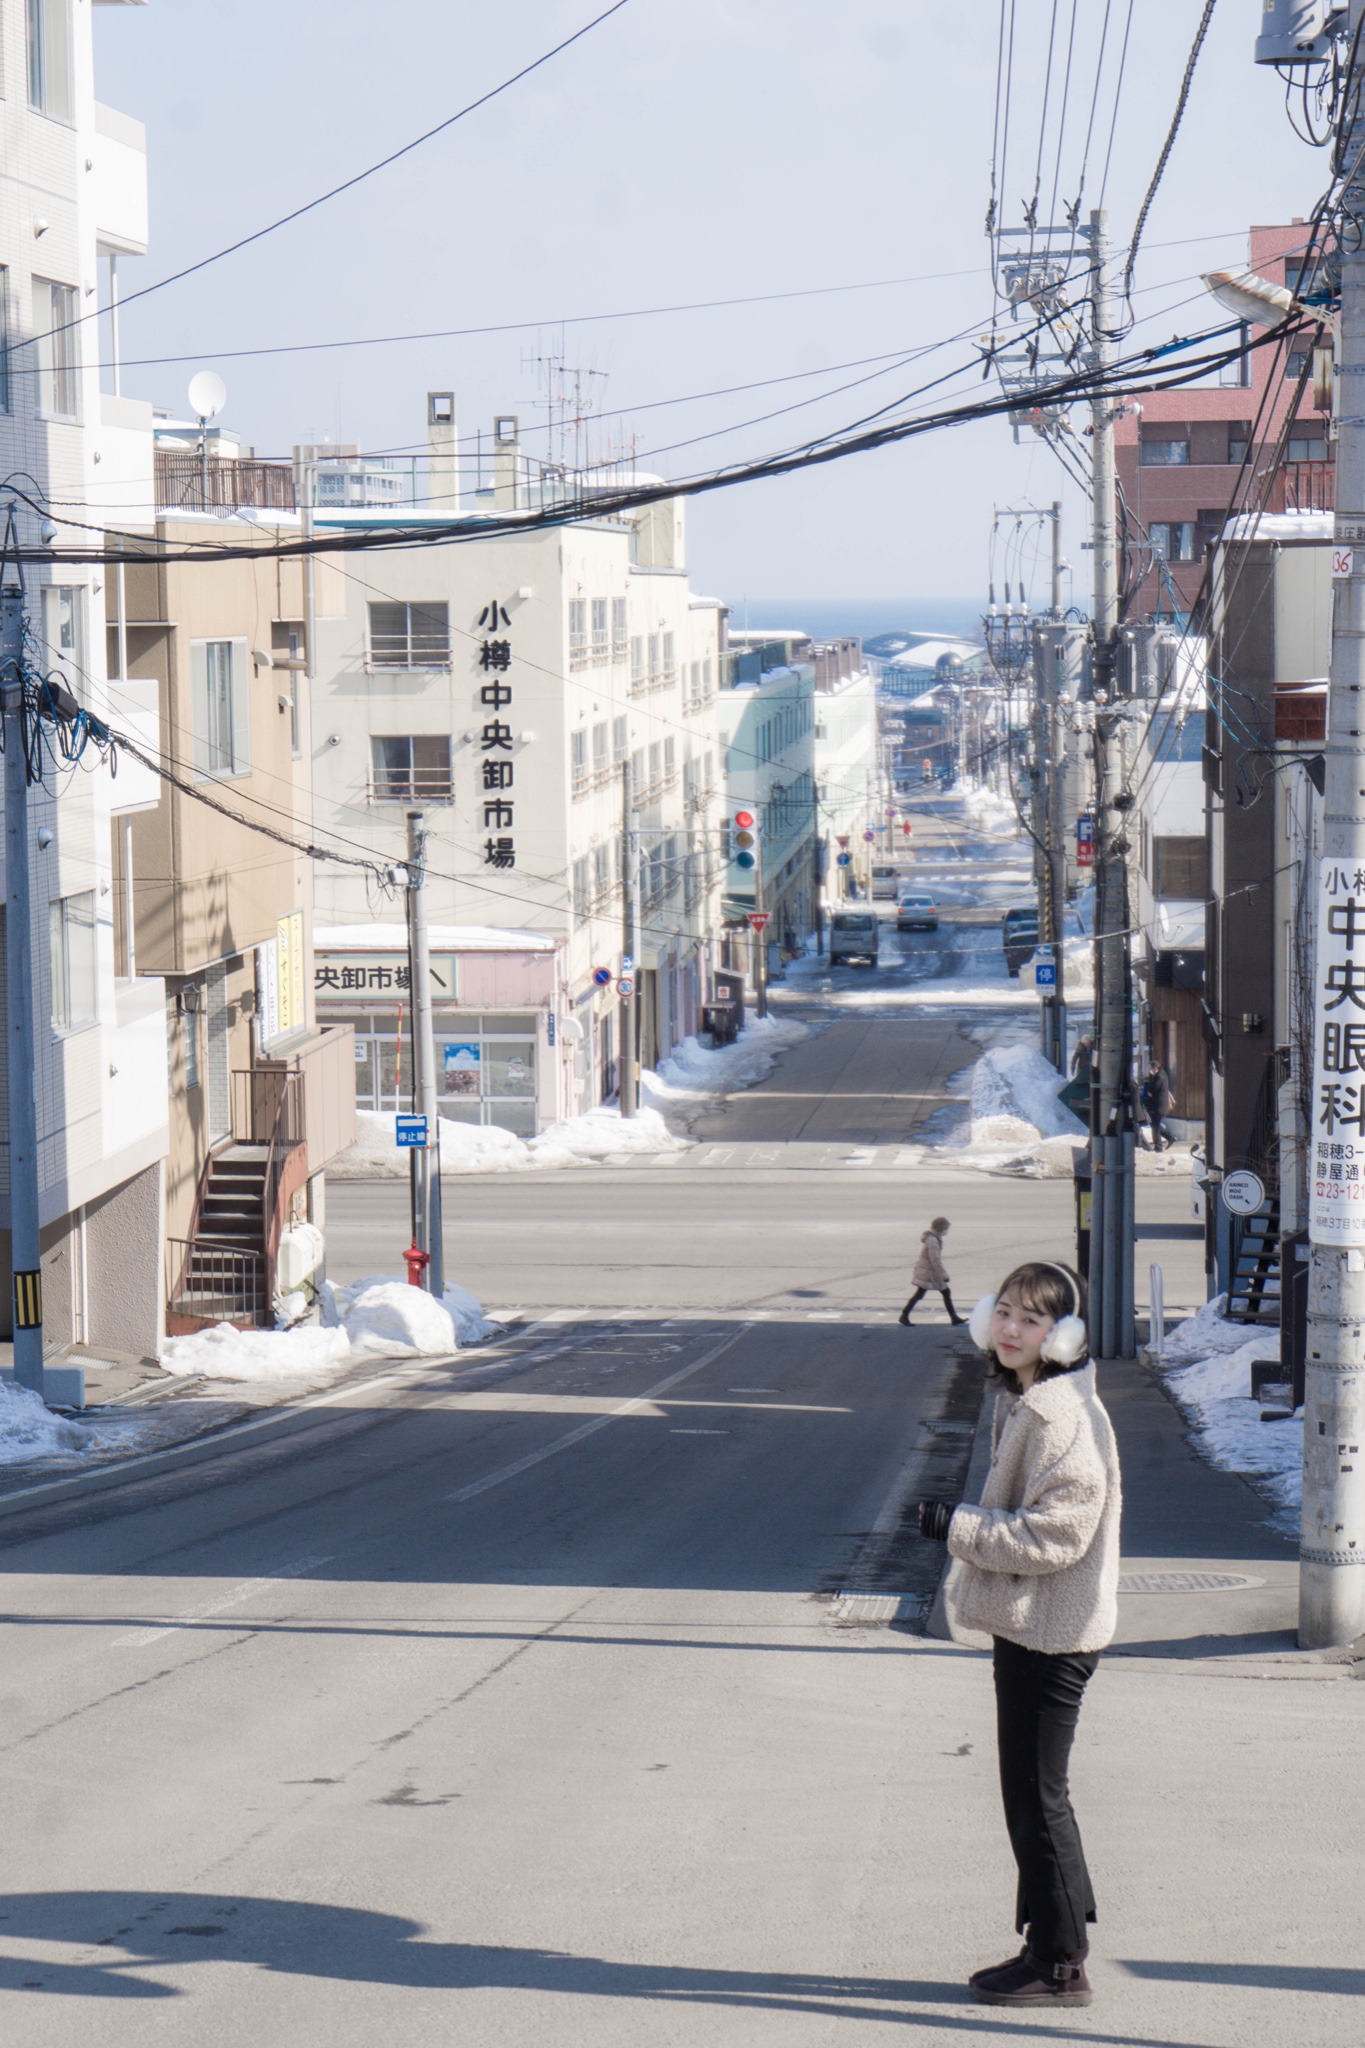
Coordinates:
[1336,1165]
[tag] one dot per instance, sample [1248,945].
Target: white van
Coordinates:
[884,884]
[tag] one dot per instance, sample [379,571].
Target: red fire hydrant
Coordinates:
[418,1261]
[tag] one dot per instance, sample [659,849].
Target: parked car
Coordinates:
[916,914]
[884,882]
[853,935]
[1019,935]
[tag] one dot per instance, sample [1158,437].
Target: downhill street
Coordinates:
[539,1696]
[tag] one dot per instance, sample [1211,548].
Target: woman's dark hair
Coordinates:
[1044,1289]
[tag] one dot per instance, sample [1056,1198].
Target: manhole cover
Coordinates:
[1185,1582]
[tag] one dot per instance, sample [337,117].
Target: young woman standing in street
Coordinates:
[1038,1572]
[930,1272]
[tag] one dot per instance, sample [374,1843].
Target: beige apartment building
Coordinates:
[260,1098]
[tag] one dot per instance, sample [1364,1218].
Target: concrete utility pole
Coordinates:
[1332,1544]
[628,1008]
[20,1052]
[760,938]
[427,1233]
[1112,1138]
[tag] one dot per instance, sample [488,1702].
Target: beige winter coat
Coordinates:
[929,1269]
[1040,1555]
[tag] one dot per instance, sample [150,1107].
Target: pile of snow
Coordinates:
[29,1430]
[1206,1363]
[694,1073]
[378,1317]
[603,1133]
[992,813]
[465,1148]
[1016,1081]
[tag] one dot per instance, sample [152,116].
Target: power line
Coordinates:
[1182,98]
[348,184]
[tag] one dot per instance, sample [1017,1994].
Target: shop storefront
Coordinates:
[493,1009]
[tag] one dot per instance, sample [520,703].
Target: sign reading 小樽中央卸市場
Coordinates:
[1336,1163]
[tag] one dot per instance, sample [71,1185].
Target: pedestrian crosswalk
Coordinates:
[792,1154]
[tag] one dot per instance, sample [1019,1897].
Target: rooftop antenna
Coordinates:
[207,395]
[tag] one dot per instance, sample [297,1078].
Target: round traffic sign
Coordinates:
[1243,1192]
[845,860]
[869,835]
[625,986]
[601,975]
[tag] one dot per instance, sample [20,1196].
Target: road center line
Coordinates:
[586,1429]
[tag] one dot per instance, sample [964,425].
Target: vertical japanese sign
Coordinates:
[289,947]
[497,769]
[268,990]
[1336,1176]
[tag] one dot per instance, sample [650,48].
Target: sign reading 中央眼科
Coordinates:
[1336,1166]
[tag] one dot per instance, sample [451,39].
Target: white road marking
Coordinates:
[587,1429]
[207,1610]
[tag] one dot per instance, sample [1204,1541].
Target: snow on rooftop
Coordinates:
[1281,526]
[450,938]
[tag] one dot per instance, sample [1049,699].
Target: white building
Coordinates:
[846,772]
[501,683]
[767,720]
[73,192]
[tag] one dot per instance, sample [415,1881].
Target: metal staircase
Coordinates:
[1254,1242]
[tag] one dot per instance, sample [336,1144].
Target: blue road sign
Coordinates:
[411,1131]
[601,975]
[845,860]
[1045,974]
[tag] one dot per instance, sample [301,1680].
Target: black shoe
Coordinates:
[904,1318]
[957,1321]
[1027,1980]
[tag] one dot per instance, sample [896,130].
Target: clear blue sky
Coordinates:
[687,149]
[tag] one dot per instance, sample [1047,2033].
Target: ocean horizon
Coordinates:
[828,618]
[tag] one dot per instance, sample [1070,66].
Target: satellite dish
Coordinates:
[207,394]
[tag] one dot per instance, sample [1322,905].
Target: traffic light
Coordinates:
[744,839]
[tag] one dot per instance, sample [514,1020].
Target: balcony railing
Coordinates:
[1303,487]
[431,785]
[185,483]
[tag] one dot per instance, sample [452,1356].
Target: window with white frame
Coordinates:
[578,632]
[48,25]
[601,872]
[220,707]
[580,888]
[653,657]
[620,740]
[601,645]
[656,767]
[670,759]
[72,934]
[601,752]
[54,314]
[1171,454]
[637,772]
[578,759]
[408,765]
[409,635]
[668,657]
[63,613]
[637,658]
[706,678]
[618,629]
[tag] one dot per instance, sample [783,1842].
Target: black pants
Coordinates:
[1037,1705]
[919,1294]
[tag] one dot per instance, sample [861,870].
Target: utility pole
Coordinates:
[760,938]
[426,1234]
[628,1009]
[1332,1544]
[20,1050]
[1112,1138]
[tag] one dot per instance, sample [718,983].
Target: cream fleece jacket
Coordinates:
[1040,1555]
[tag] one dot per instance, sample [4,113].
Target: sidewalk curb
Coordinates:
[978,1465]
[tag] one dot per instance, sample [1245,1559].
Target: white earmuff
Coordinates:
[1066,1342]
[979,1322]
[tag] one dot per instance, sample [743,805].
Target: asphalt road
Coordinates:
[533,1697]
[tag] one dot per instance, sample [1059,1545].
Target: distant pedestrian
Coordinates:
[1082,1059]
[1037,1571]
[930,1272]
[1157,1102]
